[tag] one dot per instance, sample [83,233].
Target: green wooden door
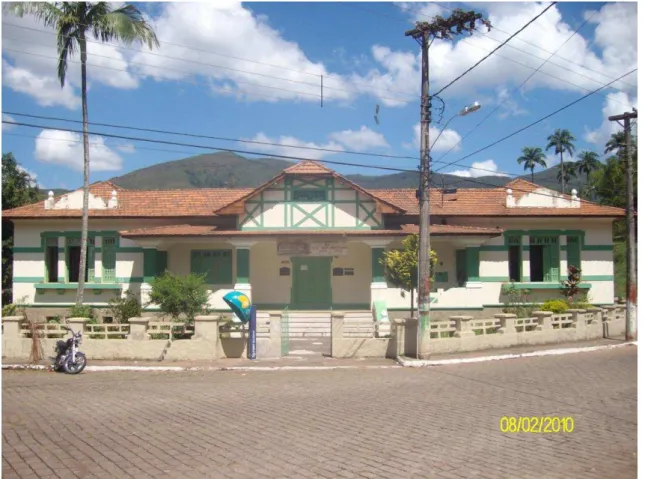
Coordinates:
[311,288]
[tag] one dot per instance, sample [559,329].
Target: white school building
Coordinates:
[310,240]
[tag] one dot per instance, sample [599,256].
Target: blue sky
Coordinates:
[366,60]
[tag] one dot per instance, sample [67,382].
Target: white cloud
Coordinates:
[447,140]
[33,68]
[65,148]
[612,106]
[32,175]
[478,169]
[126,147]
[230,28]
[508,106]
[289,146]
[7,126]
[616,42]
[360,140]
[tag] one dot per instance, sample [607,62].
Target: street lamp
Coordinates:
[424,231]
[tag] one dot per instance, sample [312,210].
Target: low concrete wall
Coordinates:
[354,336]
[133,341]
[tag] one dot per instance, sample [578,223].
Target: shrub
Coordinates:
[81,311]
[125,307]
[516,301]
[571,287]
[180,295]
[556,306]
[9,309]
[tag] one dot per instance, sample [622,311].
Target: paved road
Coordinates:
[387,423]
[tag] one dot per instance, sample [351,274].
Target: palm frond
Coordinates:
[126,24]
[48,13]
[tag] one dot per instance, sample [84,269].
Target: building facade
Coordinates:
[311,240]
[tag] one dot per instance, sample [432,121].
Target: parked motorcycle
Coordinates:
[68,358]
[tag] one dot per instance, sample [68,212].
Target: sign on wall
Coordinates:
[311,248]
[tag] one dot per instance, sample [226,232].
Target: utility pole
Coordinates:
[424,33]
[423,193]
[631,247]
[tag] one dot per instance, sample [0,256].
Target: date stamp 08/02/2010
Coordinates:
[536,424]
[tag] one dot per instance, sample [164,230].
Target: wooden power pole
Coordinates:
[631,247]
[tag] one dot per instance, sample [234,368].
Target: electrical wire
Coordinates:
[207,147]
[321,161]
[465,40]
[563,67]
[515,91]
[539,47]
[220,138]
[318,85]
[492,52]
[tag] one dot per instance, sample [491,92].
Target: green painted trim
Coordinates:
[129,249]
[472,263]
[545,285]
[310,215]
[29,249]
[132,279]
[74,286]
[433,308]
[27,279]
[377,269]
[150,264]
[242,265]
[595,277]
[494,279]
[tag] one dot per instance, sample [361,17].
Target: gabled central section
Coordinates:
[309,196]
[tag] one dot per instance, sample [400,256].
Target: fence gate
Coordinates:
[285,333]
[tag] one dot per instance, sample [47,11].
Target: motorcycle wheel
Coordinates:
[77,366]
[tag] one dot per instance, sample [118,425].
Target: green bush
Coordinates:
[556,306]
[180,295]
[125,307]
[9,310]
[517,301]
[82,311]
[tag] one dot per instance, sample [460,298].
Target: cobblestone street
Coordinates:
[441,422]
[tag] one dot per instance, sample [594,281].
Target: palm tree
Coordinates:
[567,173]
[73,22]
[616,142]
[532,156]
[562,142]
[587,163]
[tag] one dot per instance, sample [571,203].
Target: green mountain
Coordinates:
[217,170]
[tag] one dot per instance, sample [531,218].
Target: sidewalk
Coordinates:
[317,362]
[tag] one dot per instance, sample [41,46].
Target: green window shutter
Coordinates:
[51,260]
[90,268]
[200,263]
[460,263]
[108,260]
[161,262]
[222,271]
[573,251]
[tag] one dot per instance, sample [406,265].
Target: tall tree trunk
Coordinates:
[562,173]
[532,180]
[86,171]
[412,303]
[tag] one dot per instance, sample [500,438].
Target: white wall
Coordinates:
[353,289]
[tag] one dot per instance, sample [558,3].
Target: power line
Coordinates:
[465,40]
[491,53]
[192,82]
[206,147]
[537,46]
[220,138]
[540,120]
[216,66]
[516,90]
[191,153]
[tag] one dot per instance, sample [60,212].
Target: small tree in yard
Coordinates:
[180,295]
[125,307]
[401,267]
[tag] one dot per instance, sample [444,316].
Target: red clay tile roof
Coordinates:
[489,202]
[208,202]
[308,167]
[140,203]
[404,230]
